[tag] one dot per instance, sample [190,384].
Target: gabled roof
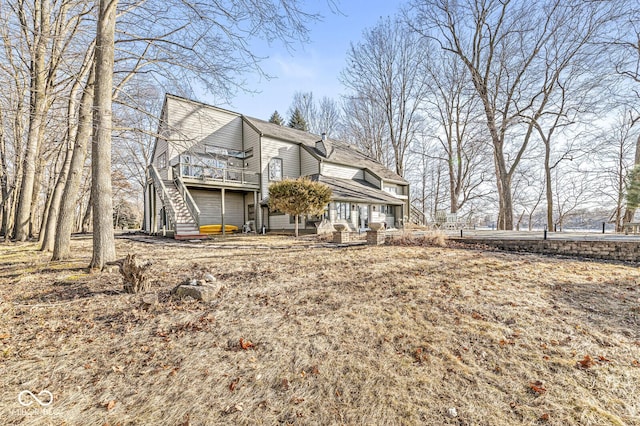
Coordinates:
[341,152]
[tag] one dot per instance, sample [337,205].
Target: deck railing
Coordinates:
[217,174]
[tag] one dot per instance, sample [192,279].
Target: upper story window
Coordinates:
[275,169]
[162,160]
[391,189]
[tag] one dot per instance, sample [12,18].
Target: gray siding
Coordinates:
[210,205]
[288,152]
[309,165]
[372,179]
[252,141]
[282,222]
[340,171]
[161,147]
[192,125]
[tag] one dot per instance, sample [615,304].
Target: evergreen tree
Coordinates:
[633,188]
[276,118]
[297,121]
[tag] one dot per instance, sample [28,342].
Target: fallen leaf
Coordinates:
[537,387]
[544,417]
[603,359]
[110,405]
[587,362]
[233,384]
[5,336]
[245,344]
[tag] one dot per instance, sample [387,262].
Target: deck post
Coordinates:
[257,212]
[153,216]
[223,231]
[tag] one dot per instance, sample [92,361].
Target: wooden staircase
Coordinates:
[185,225]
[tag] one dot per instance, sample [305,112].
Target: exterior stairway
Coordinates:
[185,226]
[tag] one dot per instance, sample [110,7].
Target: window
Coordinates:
[386,209]
[275,169]
[251,212]
[186,165]
[391,189]
[162,160]
[343,211]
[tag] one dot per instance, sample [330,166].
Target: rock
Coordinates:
[452,412]
[198,292]
[209,278]
[150,299]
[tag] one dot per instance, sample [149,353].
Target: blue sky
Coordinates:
[313,67]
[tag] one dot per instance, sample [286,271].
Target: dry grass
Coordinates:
[426,238]
[362,335]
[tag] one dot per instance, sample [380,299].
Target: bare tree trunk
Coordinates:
[73,137]
[65,222]
[4,179]
[47,234]
[85,223]
[36,118]
[103,238]
[37,183]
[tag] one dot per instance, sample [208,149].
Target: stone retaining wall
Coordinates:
[627,251]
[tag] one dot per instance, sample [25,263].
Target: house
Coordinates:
[211,166]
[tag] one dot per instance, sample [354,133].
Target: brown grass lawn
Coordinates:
[356,336]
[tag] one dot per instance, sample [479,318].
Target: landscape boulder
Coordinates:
[205,289]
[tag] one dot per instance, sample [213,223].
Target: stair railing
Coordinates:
[188,199]
[417,216]
[163,193]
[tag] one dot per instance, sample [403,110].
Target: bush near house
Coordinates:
[299,196]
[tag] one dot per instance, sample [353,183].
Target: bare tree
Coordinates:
[500,43]
[68,200]
[103,239]
[364,129]
[455,110]
[626,57]
[37,106]
[614,154]
[388,70]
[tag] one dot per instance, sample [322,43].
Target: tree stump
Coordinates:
[135,274]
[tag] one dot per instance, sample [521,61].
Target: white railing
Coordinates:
[188,199]
[216,174]
[163,193]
